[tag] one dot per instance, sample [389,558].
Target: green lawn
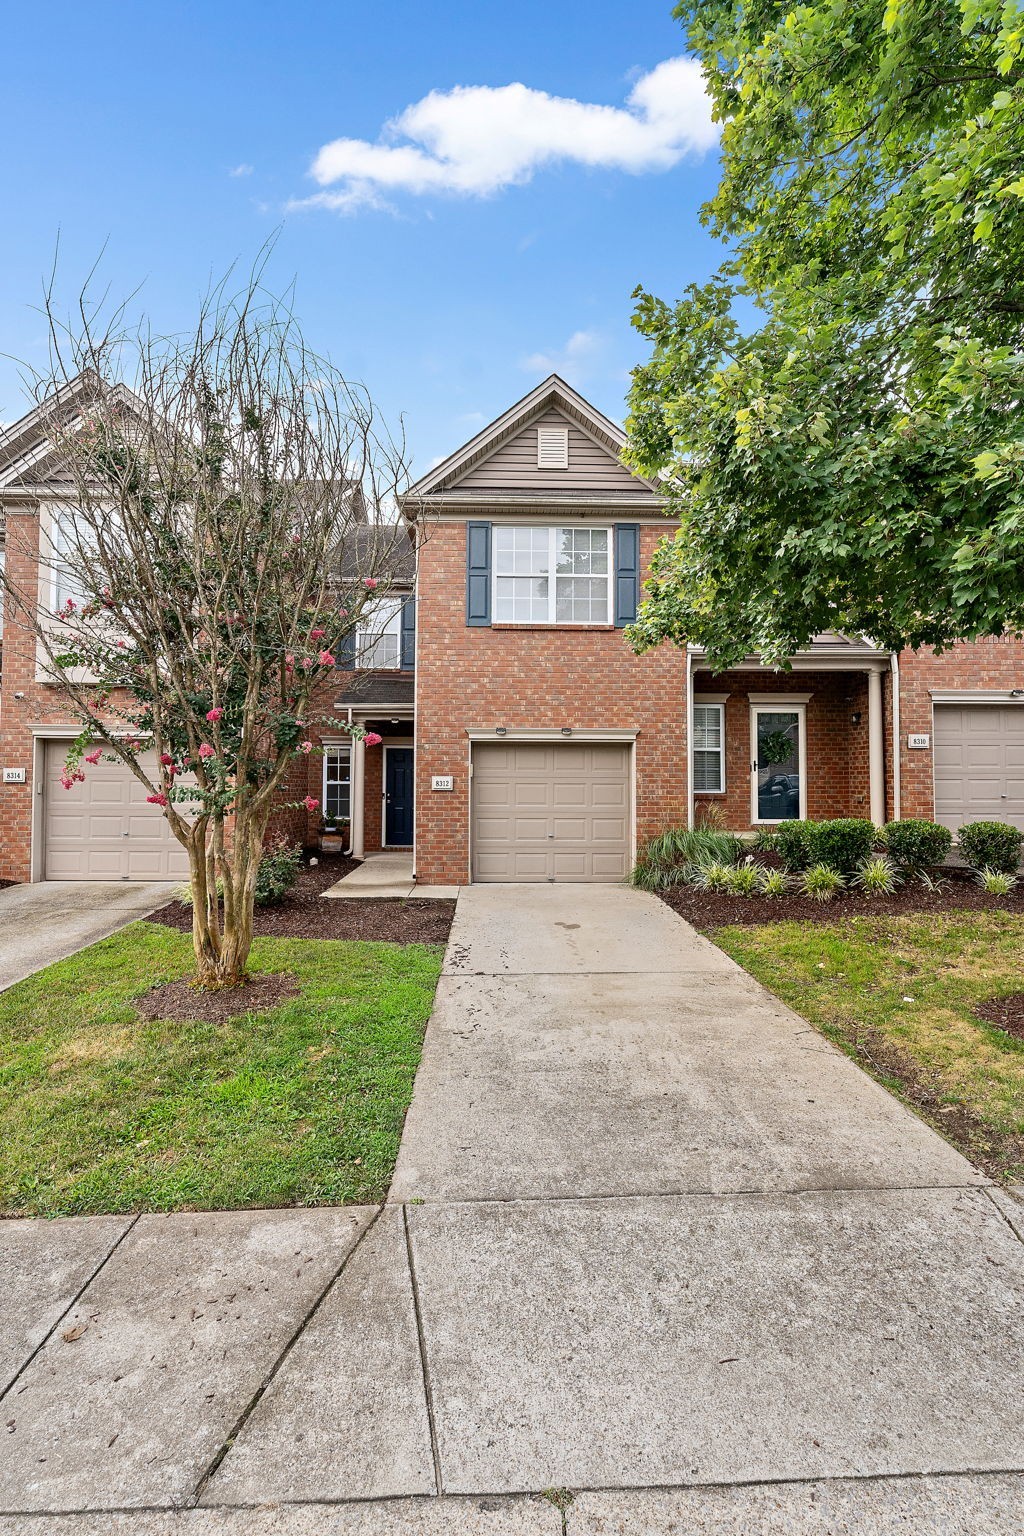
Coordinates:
[898,993]
[303,1104]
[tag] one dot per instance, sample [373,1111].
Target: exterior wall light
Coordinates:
[500,730]
[566,730]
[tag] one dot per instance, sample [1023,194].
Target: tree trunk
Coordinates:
[222,922]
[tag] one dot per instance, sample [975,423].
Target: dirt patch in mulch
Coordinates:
[184,1003]
[958,893]
[995,1155]
[1006,1013]
[5,883]
[305,914]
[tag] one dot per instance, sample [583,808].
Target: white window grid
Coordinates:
[552,575]
[337,788]
[709,749]
[379,639]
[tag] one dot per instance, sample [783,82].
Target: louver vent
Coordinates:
[552,447]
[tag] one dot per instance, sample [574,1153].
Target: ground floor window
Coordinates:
[337,796]
[709,748]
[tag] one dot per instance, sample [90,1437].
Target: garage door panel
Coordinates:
[571,811]
[979,764]
[103,829]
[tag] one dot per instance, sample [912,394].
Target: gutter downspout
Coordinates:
[894,664]
[689,737]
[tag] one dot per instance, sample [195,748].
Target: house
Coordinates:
[521,739]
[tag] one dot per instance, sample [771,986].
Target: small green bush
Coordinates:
[914,844]
[997,882]
[991,845]
[797,844]
[878,876]
[845,843]
[822,882]
[766,840]
[278,872]
[773,882]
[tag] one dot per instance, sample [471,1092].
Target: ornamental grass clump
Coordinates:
[743,879]
[877,876]
[666,860]
[773,882]
[712,875]
[821,882]
[997,882]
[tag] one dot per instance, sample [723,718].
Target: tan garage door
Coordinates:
[979,764]
[548,811]
[104,829]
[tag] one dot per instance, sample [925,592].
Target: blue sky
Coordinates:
[485,241]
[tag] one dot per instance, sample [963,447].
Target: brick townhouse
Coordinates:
[521,738]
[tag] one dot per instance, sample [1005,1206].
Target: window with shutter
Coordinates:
[709,748]
[552,447]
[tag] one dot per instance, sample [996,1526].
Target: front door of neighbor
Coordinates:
[778,769]
[398,793]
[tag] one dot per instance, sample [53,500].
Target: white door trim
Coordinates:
[782,703]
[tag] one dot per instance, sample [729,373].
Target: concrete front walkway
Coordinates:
[45,922]
[650,1240]
[386,876]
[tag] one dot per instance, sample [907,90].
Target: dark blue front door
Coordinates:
[398,797]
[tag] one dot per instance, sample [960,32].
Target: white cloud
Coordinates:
[475,139]
[245,169]
[572,361]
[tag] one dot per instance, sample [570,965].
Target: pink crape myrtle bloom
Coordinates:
[370,583]
[167,759]
[310,803]
[306,663]
[213,715]
[317,634]
[307,747]
[325,659]
[157,799]
[94,757]
[205,750]
[371,739]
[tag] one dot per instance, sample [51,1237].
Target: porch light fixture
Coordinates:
[566,730]
[500,730]
[1015,693]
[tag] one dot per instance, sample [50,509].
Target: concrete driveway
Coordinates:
[44,922]
[651,1239]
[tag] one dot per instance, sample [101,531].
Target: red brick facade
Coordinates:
[523,678]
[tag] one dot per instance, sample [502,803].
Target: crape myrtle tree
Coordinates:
[214,481]
[836,415]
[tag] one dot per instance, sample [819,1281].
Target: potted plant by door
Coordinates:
[333,834]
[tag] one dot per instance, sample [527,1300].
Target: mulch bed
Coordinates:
[180,1001]
[958,893]
[304,914]
[1007,1013]
[5,883]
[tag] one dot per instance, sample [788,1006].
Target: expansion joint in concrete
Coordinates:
[424,1367]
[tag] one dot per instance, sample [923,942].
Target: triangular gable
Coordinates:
[502,458]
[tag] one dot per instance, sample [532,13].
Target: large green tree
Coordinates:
[837,414]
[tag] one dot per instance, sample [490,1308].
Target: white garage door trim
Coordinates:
[583,737]
[1000,807]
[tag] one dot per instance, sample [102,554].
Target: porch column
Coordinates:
[876,755]
[358,796]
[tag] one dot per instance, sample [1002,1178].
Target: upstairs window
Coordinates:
[552,575]
[379,639]
[552,447]
[709,749]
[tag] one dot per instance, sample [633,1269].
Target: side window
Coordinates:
[337,783]
[709,748]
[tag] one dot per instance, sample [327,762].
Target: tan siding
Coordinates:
[513,466]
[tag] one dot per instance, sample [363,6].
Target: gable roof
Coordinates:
[553,392]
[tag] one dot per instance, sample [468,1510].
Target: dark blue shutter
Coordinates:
[627,572]
[478,573]
[407,659]
[347,650]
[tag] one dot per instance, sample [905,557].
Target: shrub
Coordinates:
[665,860]
[278,872]
[797,844]
[913,844]
[997,882]
[822,882]
[766,841]
[773,882]
[991,845]
[743,879]
[845,843]
[712,875]
[877,876]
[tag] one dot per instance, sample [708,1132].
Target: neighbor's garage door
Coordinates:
[979,764]
[103,829]
[551,811]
